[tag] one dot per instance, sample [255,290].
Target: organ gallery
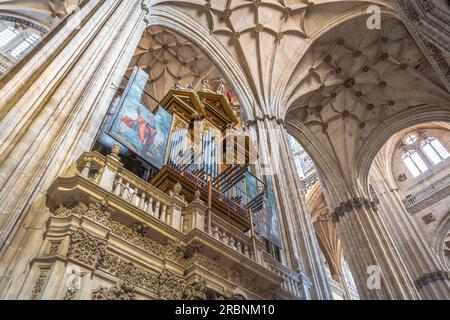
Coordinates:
[224,150]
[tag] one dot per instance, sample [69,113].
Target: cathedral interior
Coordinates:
[225,150]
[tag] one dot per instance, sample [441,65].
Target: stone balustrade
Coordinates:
[144,197]
[231,237]
[309,181]
[427,196]
[109,174]
[5,63]
[292,280]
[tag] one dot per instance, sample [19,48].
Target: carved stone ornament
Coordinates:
[96,211]
[136,233]
[233,274]
[92,251]
[432,277]
[120,291]
[40,282]
[87,249]
[171,287]
[352,204]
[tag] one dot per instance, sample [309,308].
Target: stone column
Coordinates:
[368,248]
[300,244]
[54,101]
[430,276]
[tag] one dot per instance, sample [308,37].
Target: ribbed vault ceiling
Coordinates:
[353,80]
[169,59]
[266,37]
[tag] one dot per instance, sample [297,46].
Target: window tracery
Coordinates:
[435,151]
[422,152]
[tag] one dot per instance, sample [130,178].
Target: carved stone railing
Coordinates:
[107,172]
[293,281]
[426,197]
[231,236]
[145,197]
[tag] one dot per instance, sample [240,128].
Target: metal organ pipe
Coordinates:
[173,143]
[177,148]
[204,151]
[214,156]
[179,152]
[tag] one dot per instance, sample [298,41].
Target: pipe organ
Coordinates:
[209,153]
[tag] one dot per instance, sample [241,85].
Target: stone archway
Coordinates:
[348,100]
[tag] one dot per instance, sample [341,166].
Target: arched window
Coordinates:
[411,139]
[7,35]
[16,40]
[414,163]
[27,43]
[434,150]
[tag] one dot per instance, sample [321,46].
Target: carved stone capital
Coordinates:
[431,277]
[352,204]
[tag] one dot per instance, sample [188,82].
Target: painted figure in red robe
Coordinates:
[146,131]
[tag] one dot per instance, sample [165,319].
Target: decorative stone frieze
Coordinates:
[87,249]
[129,272]
[195,291]
[96,211]
[136,233]
[169,286]
[92,251]
[233,274]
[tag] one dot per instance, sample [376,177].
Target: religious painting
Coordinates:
[267,222]
[138,128]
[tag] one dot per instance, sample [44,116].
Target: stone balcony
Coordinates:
[428,196]
[111,223]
